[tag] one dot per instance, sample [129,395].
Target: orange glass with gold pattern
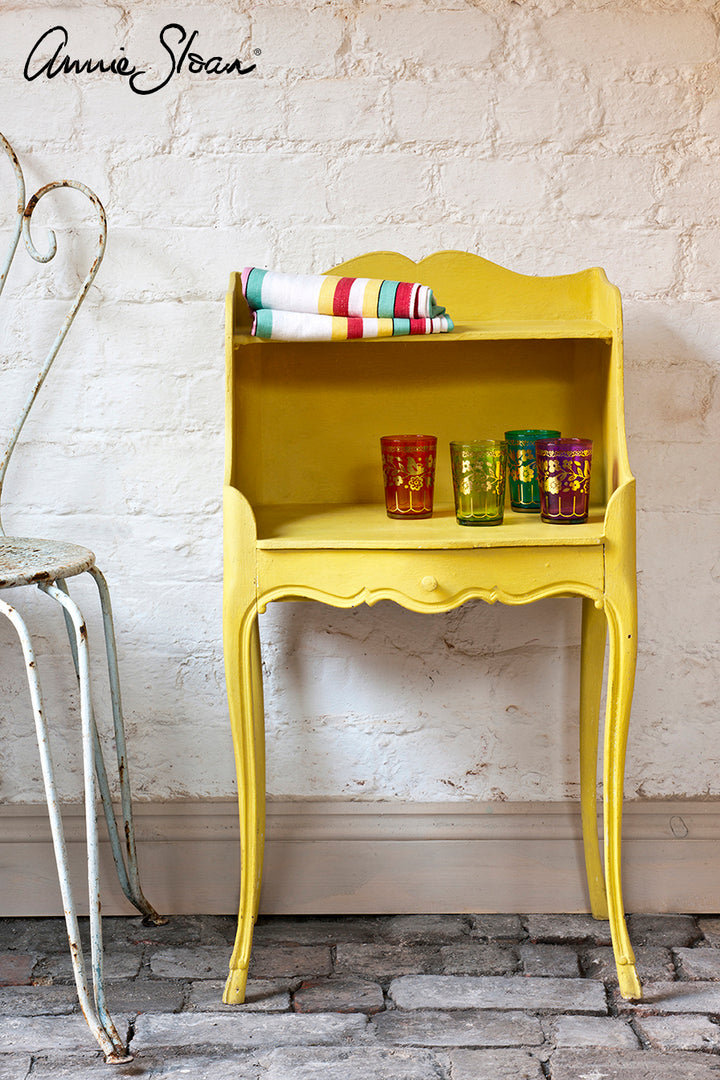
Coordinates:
[409,473]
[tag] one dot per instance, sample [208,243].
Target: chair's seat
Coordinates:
[26,560]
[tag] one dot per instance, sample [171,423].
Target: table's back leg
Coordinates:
[622,624]
[245,698]
[591,677]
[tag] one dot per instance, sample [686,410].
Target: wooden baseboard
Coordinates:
[354,857]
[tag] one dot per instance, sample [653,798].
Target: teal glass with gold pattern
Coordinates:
[479,469]
[522,469]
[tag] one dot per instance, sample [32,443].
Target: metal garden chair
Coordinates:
[46,564]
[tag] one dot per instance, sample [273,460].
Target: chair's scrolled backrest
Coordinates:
[22,222]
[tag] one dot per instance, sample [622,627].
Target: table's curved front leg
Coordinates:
[243,675]
[591,679]
[622,626]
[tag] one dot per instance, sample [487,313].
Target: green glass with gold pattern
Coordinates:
[479,469]
[522,468]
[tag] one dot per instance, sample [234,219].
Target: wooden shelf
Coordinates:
[368,527]
[475,330]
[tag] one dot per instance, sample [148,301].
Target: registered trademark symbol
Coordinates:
[257,52]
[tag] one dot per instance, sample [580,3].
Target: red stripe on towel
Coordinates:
[418,326]
[403,297]
[342,296]
[354,327]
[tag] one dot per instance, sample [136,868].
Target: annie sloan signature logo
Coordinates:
[50,57]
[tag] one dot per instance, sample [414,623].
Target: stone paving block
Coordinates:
[134,996]
[631,1065]
[35,935]
[549,960]
[73,1066]
[38,1000]
[130,930]
[261,995]
[495,1065]
[653,964]
[16,968]
[381,961]
[668,930]
[673,997]
[497,992]
[373,1063]
[710,928]
[35,1034]
[478,958]
[339,993]
[288,961]
[681,1032]
[458,1028]
[245,1030]
[564,929]
[168,1065]
[598,1031]
[424,929]
[698,963]
[493,927]
[14,1066]
[309,930]
[193,962]
[118,963]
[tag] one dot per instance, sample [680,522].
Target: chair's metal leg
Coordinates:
[127,876]
[105,1033]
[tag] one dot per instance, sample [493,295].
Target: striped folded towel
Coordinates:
[320,294]
[309,326]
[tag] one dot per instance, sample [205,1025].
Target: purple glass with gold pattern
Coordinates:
[409,472]
[563,467]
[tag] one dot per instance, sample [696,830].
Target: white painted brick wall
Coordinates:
[545,136]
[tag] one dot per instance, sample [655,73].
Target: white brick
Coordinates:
[681,604]
[282,188]
[608,187]
[692,195]
[463,113]
[536,113]
[677,396]
[296,41]
[439,39]
[507,188]
[654,113]
[626,39]
[336,110]
[704,270]
[380,184]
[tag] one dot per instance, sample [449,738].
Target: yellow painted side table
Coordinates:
[304,515]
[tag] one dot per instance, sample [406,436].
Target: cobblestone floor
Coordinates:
[422,997]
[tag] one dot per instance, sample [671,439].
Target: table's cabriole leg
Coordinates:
[244,685]
[591,677]
[622,625]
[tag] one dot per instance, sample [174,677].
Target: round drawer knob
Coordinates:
[429,583]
